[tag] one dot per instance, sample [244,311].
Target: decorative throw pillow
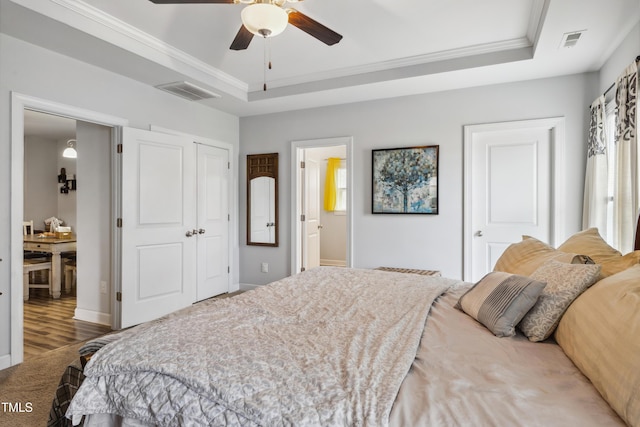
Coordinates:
[589,242]
[565,282]
[500,300]
[526,256]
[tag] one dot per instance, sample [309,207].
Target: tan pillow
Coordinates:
[525,257]
[600,332]
[590,243]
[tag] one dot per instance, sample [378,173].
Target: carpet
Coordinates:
[27,389]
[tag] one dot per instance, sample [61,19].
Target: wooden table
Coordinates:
[54,246]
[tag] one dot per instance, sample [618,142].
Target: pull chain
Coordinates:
[266,60]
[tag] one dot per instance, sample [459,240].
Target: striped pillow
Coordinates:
[500,300]
[589,242]
[526,256]
[600,332]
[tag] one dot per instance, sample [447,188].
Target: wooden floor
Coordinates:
[49,323]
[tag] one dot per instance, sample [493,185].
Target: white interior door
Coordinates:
[213,222]
[513,188]
[158,219]
[312,214]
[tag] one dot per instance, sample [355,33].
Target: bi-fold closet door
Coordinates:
[175,224]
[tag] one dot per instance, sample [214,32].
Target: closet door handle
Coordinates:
[189,233]
[201,231]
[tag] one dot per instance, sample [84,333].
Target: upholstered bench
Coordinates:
[434,273]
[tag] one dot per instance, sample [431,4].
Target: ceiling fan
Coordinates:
[268,18]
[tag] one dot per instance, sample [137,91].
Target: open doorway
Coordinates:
[93,297]
[321,234]
[51,208]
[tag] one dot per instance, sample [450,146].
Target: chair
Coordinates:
[30,266]
[70,274]
[32,262]
[27,228]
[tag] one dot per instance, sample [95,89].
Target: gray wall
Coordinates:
[41,188]
[34,71]
[42,198]
[94,222]
[422,241]
[433,242]
[621,57]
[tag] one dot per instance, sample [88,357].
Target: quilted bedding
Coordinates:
[312,349]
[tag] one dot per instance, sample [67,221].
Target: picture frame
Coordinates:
[405,180]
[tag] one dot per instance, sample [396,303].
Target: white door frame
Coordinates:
[556,127]
[297,148]
[19,103]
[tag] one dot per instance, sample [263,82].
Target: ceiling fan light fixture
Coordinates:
[264,19]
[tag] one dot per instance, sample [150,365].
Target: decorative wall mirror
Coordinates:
[262,199]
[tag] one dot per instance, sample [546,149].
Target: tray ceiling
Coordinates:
[390,48]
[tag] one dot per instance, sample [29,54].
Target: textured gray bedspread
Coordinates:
[330,346]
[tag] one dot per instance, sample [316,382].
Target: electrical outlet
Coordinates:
[264,267]
[103,287]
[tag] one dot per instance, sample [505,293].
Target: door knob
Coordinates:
[201,231]
[478,233]
[320,226]
[189,233]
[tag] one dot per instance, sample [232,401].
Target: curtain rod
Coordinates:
[341,158]
[609,88]
[613,84]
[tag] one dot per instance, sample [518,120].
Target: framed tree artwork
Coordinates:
[405,180]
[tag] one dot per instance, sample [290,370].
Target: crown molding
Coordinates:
[537,17]
[400,63]
[91,20]
[95,22]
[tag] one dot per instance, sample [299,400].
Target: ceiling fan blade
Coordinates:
[313,28]
[242,40]
[189,1]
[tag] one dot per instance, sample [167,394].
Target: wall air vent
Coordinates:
[188,91]
[571,39]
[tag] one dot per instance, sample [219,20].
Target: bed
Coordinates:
[551,337]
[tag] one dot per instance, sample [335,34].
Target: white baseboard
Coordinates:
[248,286]
[333,262]
[5,361]
[92,316]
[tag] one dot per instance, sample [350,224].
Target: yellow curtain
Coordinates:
[333,164]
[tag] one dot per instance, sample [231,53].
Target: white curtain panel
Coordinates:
[626,181]
[594,213]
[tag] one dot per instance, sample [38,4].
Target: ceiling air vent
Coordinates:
[571,39]
[188,91]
